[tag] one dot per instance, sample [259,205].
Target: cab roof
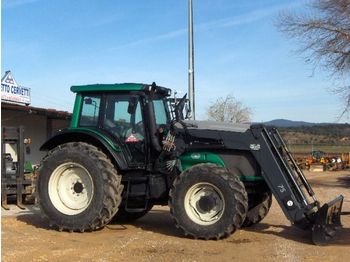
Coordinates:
[120,87]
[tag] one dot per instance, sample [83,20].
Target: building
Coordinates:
[39,123]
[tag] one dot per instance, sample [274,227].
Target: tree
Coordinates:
[324,32]
[228,109]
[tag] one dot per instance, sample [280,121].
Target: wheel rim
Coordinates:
[204,204]
[71,188]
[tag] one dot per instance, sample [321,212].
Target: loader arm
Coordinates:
[291,188]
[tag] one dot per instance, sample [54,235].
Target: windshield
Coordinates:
[161,111]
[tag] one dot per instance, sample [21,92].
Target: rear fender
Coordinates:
[101,141]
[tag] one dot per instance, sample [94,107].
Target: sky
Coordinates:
[50,45]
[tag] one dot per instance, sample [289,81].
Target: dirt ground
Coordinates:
[26,236]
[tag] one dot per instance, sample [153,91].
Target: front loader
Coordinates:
[128,149]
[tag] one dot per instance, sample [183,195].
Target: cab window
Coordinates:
[90,111]
[119,121]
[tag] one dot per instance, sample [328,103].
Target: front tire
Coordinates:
[259,206]
[78,187]
[207,202]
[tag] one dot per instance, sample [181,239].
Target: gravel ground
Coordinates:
[27,237]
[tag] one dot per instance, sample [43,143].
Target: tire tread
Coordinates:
[112,188]
[239,193]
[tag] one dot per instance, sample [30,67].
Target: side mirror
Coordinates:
[179,107]
[88,101]
[187,111]
[132,105]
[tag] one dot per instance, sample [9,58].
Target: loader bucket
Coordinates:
[327,221]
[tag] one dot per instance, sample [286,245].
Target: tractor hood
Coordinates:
[211,134]
[216,126]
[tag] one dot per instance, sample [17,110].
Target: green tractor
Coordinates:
[129,148]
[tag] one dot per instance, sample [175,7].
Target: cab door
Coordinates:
[127,126]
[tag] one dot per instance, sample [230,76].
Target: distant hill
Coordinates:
[289,123]
[299,132]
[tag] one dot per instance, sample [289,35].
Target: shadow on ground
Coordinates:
[345,181]
[160,221]
[341,181]
[341,238]
[35,220]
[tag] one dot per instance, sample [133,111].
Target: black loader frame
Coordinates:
[292,190]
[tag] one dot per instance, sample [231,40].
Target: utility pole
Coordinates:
[191,95]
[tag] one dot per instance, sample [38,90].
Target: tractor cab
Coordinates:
[132,116]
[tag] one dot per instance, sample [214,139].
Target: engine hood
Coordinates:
[216,126]
[209,135]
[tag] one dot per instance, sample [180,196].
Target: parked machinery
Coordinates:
[17,178]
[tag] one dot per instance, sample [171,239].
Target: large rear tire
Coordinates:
[78,187]
[259,206]
[207,202]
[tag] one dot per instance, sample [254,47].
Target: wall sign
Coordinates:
[12,92]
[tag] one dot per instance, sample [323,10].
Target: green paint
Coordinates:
[251,178]
[76,111]
[104,138]
[193,158]
[107,87]
[28,168]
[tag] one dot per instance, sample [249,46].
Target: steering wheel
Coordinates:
[139,127]
[120,129]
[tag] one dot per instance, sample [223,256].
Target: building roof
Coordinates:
[50,113]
